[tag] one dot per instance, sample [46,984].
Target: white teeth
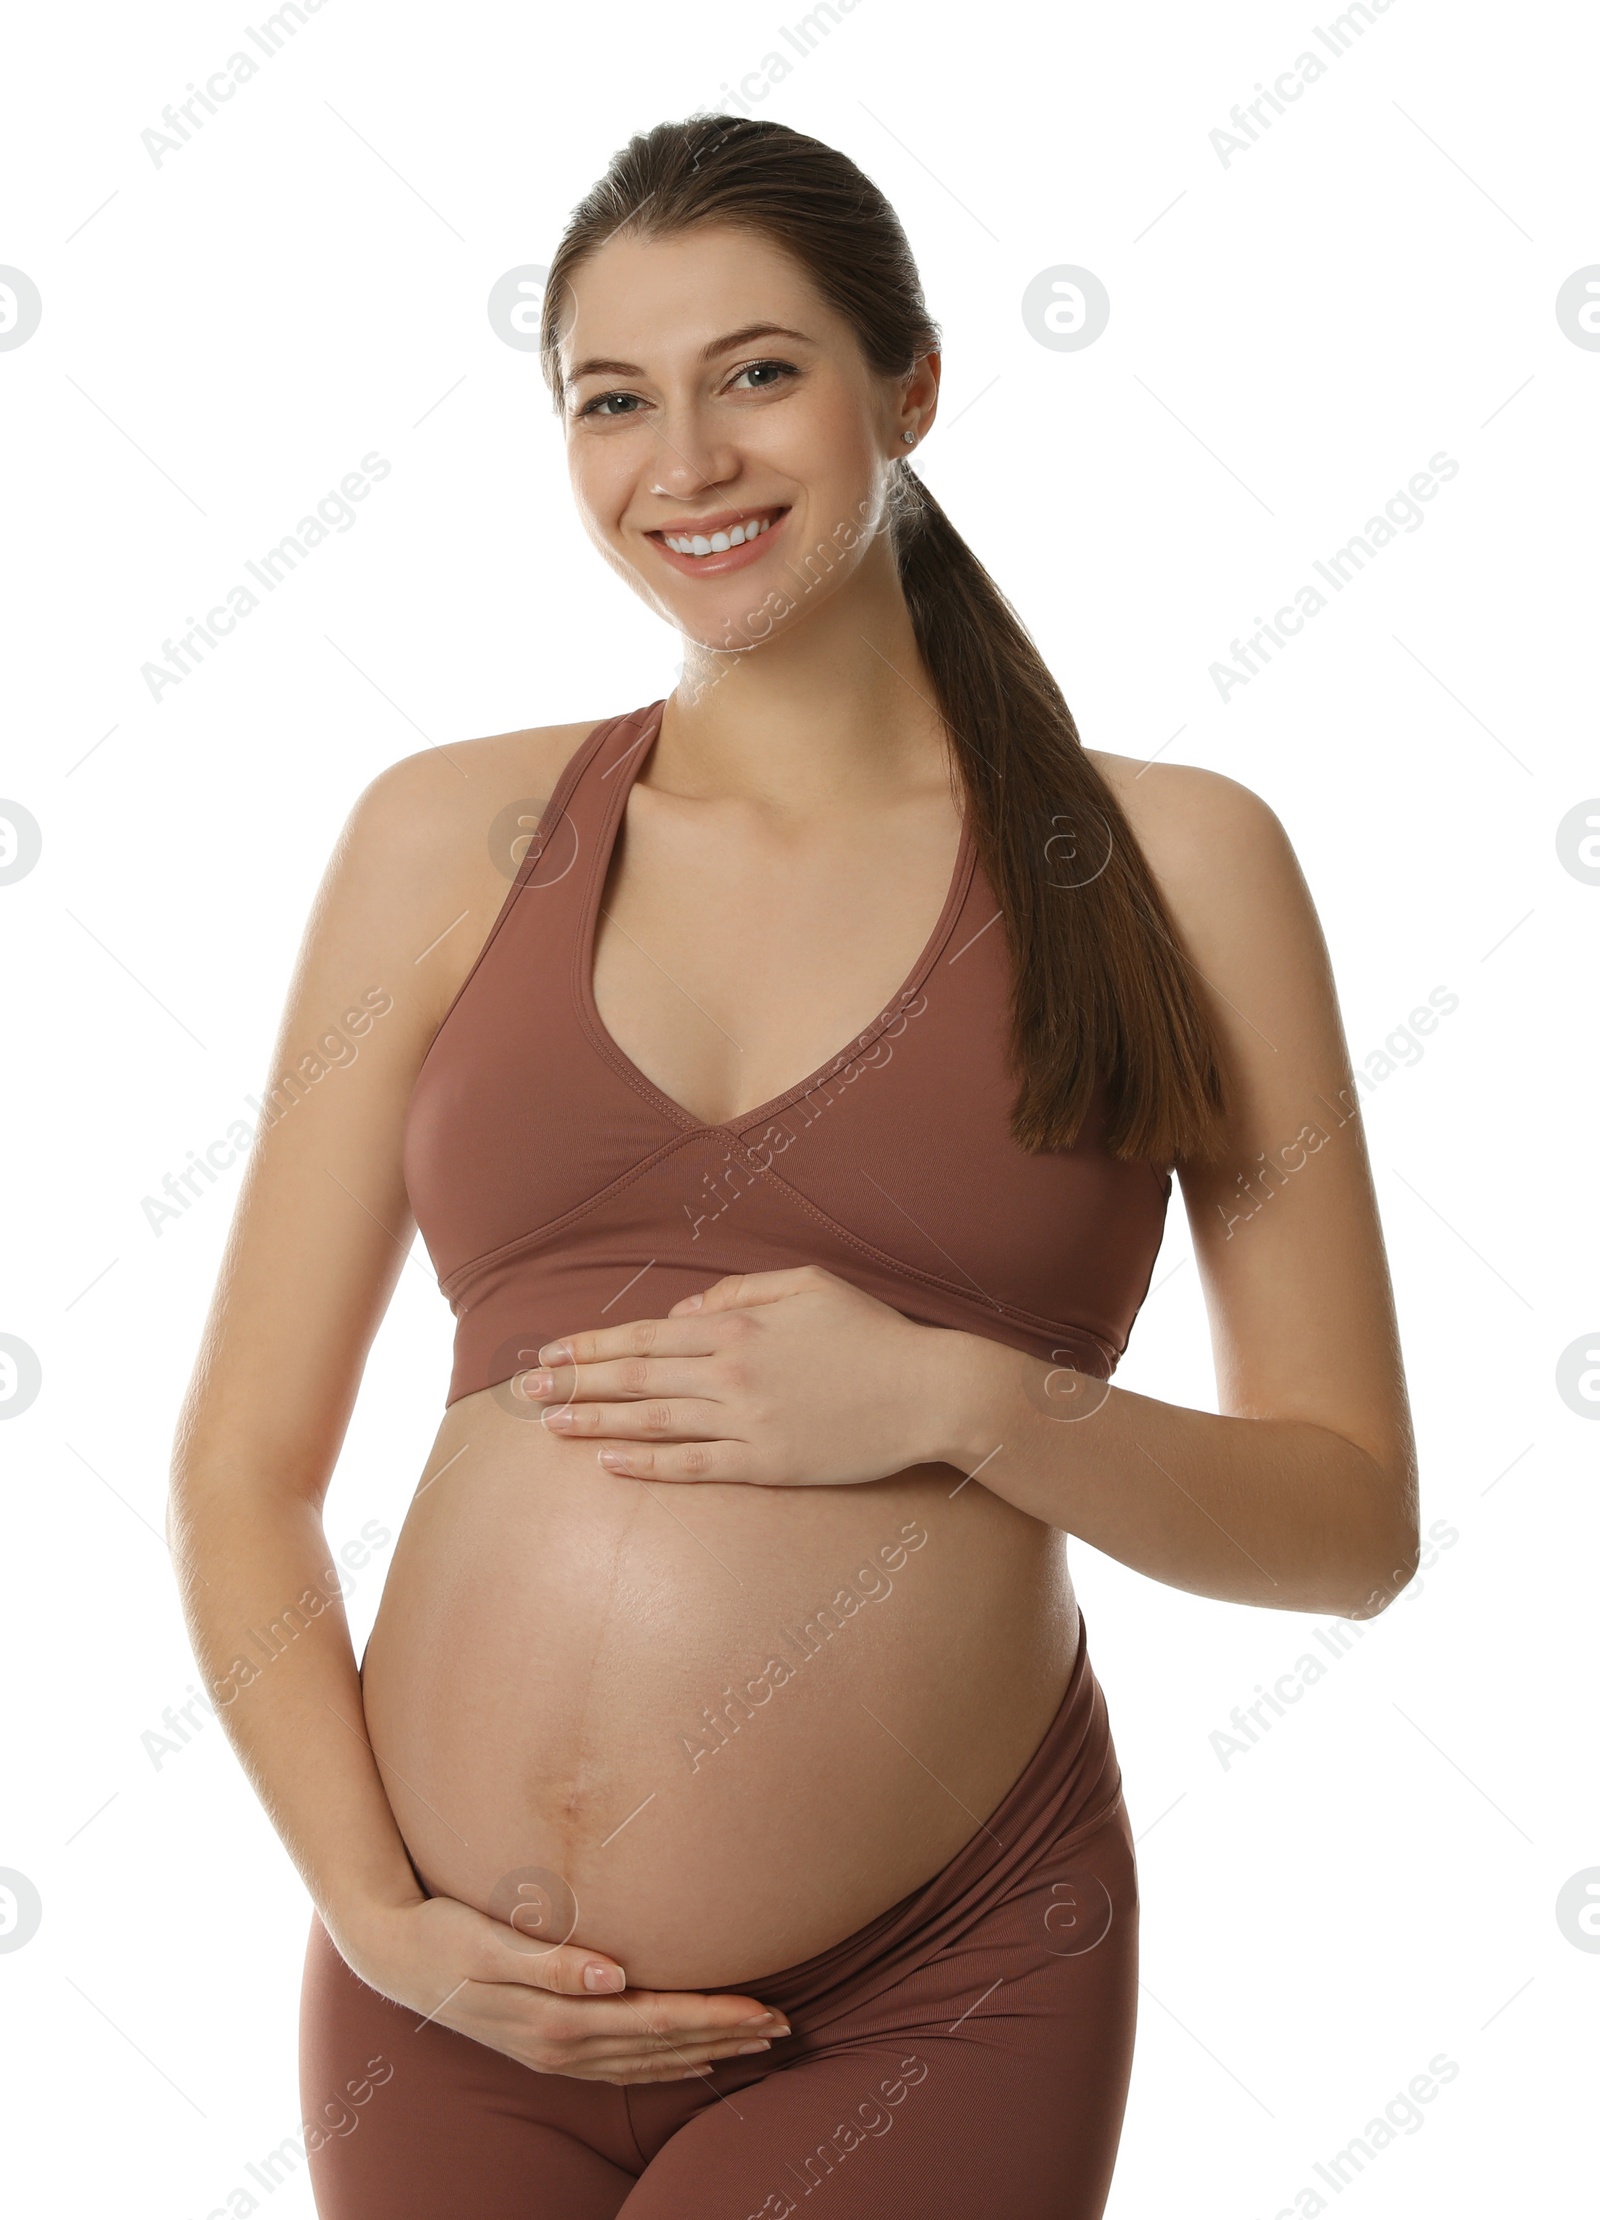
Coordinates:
[719,542]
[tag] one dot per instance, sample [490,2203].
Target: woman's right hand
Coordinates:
[531,2000]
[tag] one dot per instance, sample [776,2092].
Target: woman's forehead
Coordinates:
[683,289]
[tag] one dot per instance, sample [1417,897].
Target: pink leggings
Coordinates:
[967,2053]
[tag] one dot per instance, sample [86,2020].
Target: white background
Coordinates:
[1292,336]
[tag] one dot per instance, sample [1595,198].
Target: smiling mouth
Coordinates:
[701,546]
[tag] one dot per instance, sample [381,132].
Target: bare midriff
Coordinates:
[735,1723]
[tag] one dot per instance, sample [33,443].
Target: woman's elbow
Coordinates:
[1393,1555]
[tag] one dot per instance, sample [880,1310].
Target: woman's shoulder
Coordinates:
[1227,871]
[447,817]
[430,798]
[1169,803]
[1220,856]
[428,852]
[1196,827]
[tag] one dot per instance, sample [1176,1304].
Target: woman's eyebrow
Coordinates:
[602,366]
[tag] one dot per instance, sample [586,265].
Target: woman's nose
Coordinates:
[689,457]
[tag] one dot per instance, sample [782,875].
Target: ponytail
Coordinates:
[1100,986]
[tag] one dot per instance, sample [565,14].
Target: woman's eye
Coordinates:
[601,404]
[767,373]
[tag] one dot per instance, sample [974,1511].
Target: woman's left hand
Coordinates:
[784,1379]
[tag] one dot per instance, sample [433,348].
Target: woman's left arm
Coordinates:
[1300,1493]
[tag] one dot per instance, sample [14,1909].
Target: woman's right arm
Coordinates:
[321,1233]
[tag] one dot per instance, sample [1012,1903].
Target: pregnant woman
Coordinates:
[725,1810]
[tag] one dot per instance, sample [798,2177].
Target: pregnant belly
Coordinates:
[709,1729]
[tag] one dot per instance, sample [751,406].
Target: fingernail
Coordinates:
[690,1302]
[614,1460]
[604,1977]
[555,1352]
[758,2019]
[559,1417]
[745,2049]
[536,1383]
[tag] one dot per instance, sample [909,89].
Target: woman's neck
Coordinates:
[835,706]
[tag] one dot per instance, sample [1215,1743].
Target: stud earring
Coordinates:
[910,438]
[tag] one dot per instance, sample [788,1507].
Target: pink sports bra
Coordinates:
[558,1189]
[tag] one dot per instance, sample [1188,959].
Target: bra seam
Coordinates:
[896,1265]
[567,1218]
[932,1279]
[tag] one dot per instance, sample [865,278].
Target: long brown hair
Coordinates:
[1101,984]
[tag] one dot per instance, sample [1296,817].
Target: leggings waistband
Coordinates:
[1066,1790]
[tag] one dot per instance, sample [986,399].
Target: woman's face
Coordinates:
[713,397]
